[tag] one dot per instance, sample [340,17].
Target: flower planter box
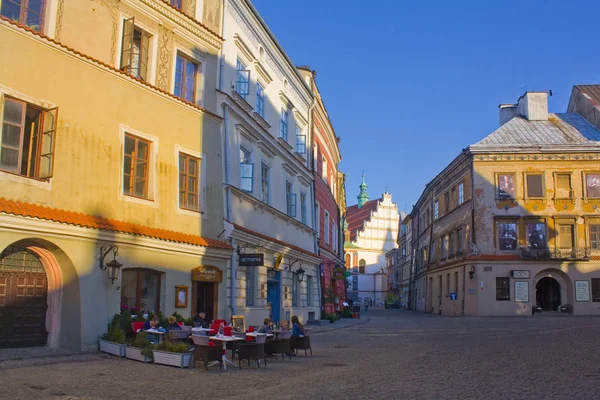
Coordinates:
[133,353]
[181,360]
[115,349]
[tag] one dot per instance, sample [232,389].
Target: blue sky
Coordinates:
[409,84]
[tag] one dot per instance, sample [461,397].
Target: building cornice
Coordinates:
[531,156]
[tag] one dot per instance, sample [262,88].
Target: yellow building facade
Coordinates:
[109,137]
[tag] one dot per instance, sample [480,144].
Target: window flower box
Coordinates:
[181,360]
[133,353]
[113,348]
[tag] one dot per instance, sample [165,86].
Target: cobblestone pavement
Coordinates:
[395,355]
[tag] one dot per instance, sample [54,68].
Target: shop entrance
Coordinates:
[274,294]
[548,294]
[205,291]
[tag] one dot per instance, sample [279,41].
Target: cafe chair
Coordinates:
[301,343]
[252,351]
[178,335]
[206,353]
[280,345]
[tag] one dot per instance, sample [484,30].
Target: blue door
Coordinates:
[274,294]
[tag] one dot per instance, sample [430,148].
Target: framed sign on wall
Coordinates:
[522,292]
[582,291]
[181,296]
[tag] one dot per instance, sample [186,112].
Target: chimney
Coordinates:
[507,112]
[533,106]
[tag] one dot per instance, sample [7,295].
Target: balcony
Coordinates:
[555,253]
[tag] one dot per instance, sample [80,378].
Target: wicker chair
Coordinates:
[279,346]
[301,343]
[252,351]
[233,345]
[208,354]
[179,335]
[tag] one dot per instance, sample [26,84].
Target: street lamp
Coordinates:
[113,266]
[300,273]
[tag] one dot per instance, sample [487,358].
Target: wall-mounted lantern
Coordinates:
[113,266]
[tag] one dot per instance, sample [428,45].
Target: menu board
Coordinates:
[582,291]
[522,292]
[239,325]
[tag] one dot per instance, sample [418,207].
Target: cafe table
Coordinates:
[159,334]
[224,340]
[199,329]
[255,334]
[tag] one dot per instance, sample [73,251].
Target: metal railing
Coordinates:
[556,253]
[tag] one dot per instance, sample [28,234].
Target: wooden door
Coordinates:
[23,299]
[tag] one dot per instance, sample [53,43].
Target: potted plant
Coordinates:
[140,349]
[113,342]
[177,354]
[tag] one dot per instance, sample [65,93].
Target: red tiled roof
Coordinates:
[356,217]
[143,82]
[97,222]
[269,238]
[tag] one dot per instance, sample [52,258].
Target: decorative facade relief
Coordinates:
[165,52]
[59,17]
[189,8]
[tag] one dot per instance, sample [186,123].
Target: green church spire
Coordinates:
[363,196]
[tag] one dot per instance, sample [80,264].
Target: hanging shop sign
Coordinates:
[339,273]
[519,274]
[252,260]
[207,273]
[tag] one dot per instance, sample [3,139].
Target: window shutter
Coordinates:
[144,56]
[127,44]
[46,161]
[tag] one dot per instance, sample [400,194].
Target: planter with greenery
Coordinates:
[347,313]
[113,342]
[177,354]
[140,349]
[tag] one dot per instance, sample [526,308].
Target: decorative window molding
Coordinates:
[286,102]
[242,47]
[262,73]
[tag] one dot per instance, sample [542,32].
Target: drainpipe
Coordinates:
[228,211]
[463,291]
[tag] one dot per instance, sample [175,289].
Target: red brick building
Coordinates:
[329,202]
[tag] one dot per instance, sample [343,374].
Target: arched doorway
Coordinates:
[23,298]
[548,294]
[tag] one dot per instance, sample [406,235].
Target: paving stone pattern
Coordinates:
[395,355]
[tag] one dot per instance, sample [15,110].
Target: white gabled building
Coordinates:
[268,185]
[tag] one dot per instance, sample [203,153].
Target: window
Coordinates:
[176,4]
[140,289]
[596,290]
[447,284]
[452,243]
[453,198]
[436,210]
[264,183]
[361,266]
[309,290]
[27,139]
[300,141]
[595,236]
[283,128]
[592,185]
[506,186]
[536,235]
[431,253]
[566,237]
[291,200]
[460,242]
[186,72]
[507,236]
[563,186]
[324,168]
[424,255]
[446,202]
[26,12]
[188,182]
[295,292]
[246,171]
[461,193]
[444,247]
[260,100]
[303,208]
[502,289]
[134,49]
[315,156]
[535,185]
[242,79]
[326,228]
[135,166]
[455,281]
[250,285]
[317,221]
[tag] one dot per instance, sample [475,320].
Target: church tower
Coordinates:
[363,196]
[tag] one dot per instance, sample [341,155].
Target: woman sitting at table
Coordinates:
[297,328]
[266,326]
[150,324]
[173,325]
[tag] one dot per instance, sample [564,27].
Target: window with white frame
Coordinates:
[461,193]
[295,291]
[27,139]
[260,100]
[246,170]
[135,49]
[315,156]
[436,210]
[300,141]
[26,12]
[324,168]
[334,236]
[326,228]
[189,179]
[283,128]
[186,76]
[242,79]
[291,199]
[250,285]
[136,165]
[303,208]
[318,220]
[264,185]
[309,290]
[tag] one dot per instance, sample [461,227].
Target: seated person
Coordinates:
[173,325]
[297,328]
[200,320]
[266,326]
[151,324]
